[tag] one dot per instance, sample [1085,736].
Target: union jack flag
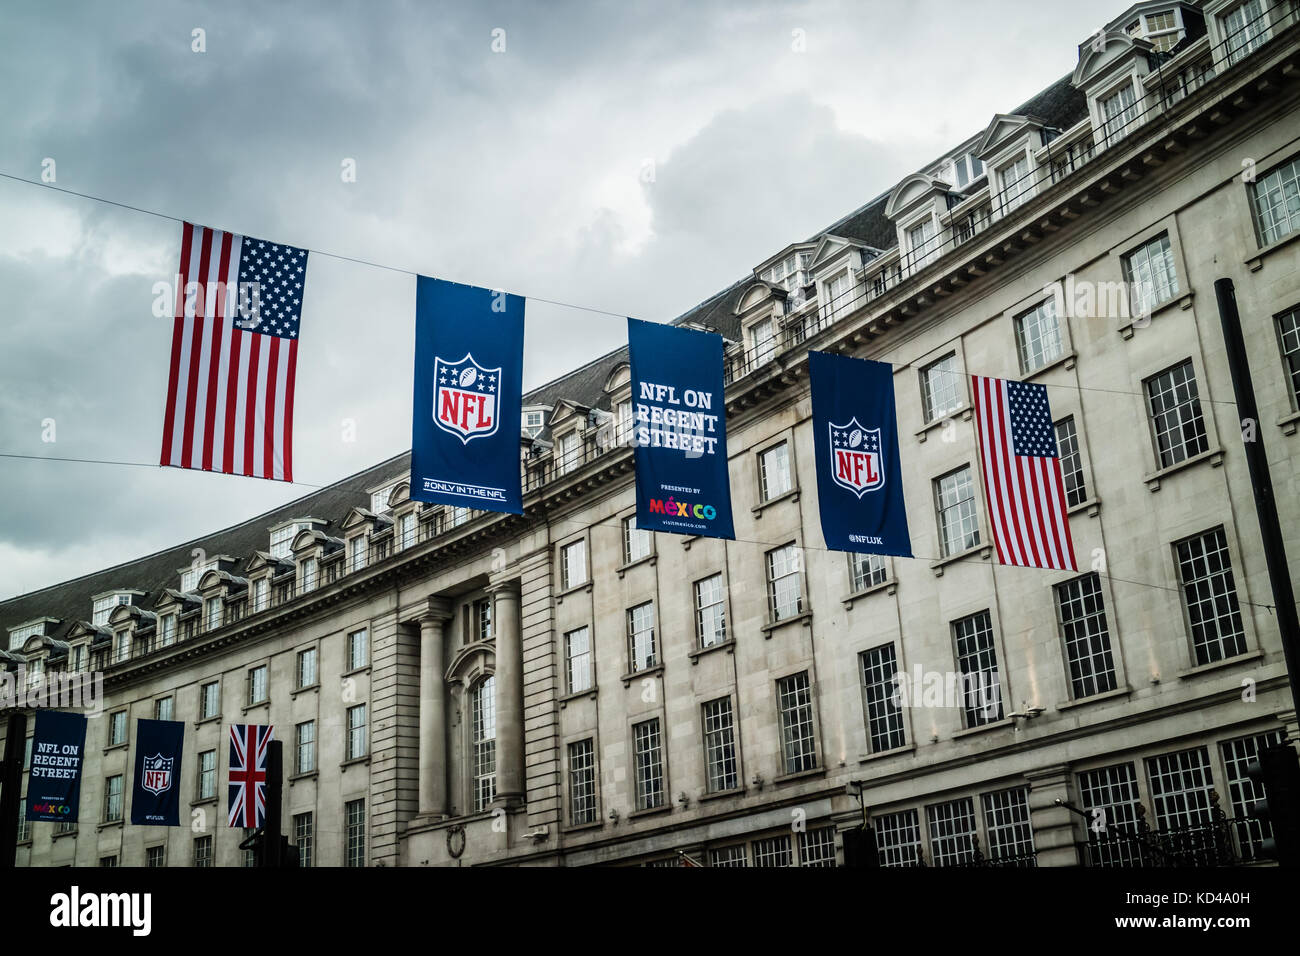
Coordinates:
[248,746]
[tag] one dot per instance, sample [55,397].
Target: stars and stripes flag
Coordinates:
[1022,474]
[248,747]
[234,355]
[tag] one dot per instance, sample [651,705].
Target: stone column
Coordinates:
[509,691]
[1053,824]
[433,709]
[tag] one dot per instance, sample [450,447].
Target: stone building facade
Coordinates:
[558,688]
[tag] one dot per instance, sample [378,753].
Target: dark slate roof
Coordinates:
[1060,105]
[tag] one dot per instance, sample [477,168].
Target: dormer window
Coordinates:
[167,630]
[762,342]
[922,243]
[839,296]
[566,453]
[379,499]
[1118,111]
[212,614]
[104,604]
[1244,29]
[307,570]
[261,594]
[789,273]
[78,657]
[534,420]
[357,553]
[35,670]
[190,576]
[18,635]
[1016,184]
[962,170]
[121,646]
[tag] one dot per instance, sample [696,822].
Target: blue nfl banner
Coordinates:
[156,800]
[465,425]
[54,781]
[679,430]
[859,475]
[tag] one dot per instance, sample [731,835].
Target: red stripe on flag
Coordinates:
[268,430]
[288,409]
[232,397]
[196,348]
[250,400]
[178,332]
[1064,514]
[214,364]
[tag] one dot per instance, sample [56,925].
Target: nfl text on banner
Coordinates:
[58,749]
[859,475]
[156,800]
[465,424]
[679,430]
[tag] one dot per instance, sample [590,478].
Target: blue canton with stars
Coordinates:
[277,271]
[449,374]
[870,439]
[1031,420]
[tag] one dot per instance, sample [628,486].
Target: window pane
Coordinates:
[794,702]
[880,699]
[1210,597]
[1150,273]
[1175,409]
[1082,615]
[1038,336]
[977,668]
[940,388]
[648,764]
[1067,452]
[720,746]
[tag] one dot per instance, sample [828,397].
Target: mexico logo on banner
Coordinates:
[859,484]
[156,801]
[679,430]
[58,750]
[469,357]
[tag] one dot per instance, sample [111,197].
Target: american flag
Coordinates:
[1022,474]
[234,355]
[248,747]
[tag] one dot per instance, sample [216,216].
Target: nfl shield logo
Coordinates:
[855,457]
[465,398]
[157,774]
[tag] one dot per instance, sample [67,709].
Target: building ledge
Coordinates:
[302,690]
[688,540]
[791,495]
[983,728]
[651,559]
[203,802]
[803,617]
[584,586]
[964,411]
[656,671]
[1183,301]
[729,645]
[577,695]
[215,718]
[889,587]
[1091,505]
[1213,455]
[364,669]
[261,703]
[1096,698]
[882,755]
[581,827]
[1216,665]
[1256,262]
[308,775]
[799,775]
[1288,423]
[111,747]
[985,551]
[650,812]
[354,762]
[1066,361]
[59,834]
[720,794]
[110,824]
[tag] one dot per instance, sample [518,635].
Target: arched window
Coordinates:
[483,751]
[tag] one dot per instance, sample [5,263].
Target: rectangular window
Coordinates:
[117,728]
[406,530]
[122,646]
[1244,30]
[257,688]
[261,594]
[1118,114]
[113,799]
[954,496]
[356,732]
[307,575]
[1149,271]
[1081,613]
[209,700]
[794,705]
[774,471]
[784,584]
[1242,791]
[358,649]
[1110,801]
[880,700]
[203,852]
[710,611]
[357,553]
[720,746]
[484,742]
[1017,184]
[155,856]
[730,856]
[636,543]
[641,636]
[1181,785]
[168,628]
[162,708]
[1210,597]
[207,775]
[354,814]
[952,832]
[212,614]
[940,388]
[762,343]
[898,838]
[566,454]
[1275,198]
[102,608]
[1006,825]
[1288,330]
[582,782]
[817,847]
[307,667]
[483,619]
[282,541]
[1176,420]
[305,747]
[839,296]
[1067,453]
[866,571]
[977,669]
[922,244]
[648,761]
[304,838]
[24,825]
[1038,336]
[577,659]
[573,564]
[773,852]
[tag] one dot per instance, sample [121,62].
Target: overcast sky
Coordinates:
[632,157]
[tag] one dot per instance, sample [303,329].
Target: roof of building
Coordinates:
[1059,105]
